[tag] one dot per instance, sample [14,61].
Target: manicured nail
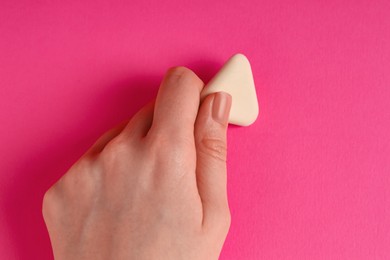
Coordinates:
[221,107]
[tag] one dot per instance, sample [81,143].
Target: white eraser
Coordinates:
[235,78]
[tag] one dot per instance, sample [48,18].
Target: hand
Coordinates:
[151,188]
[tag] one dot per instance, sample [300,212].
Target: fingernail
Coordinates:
[221,107]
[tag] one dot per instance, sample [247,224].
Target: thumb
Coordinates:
[210,139]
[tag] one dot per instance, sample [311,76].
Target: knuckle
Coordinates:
[213,147]
[167,144]
[83,170]
[158,143]
[115,149]
[79,184]
[47,196]
[84,163]
[49,200]
[82,178]
[173,157]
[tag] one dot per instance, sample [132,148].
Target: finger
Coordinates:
[106,137]
[177,103]
[210,139]
[136,127]
[140,123]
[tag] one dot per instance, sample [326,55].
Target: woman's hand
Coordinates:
[151,188]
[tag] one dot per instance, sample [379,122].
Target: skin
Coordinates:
[154,187]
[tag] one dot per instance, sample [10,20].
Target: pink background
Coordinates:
[309,180]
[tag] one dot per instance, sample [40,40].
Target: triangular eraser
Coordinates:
[235,78]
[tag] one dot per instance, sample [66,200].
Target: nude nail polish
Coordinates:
[221,107]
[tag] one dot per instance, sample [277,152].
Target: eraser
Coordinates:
[235,77]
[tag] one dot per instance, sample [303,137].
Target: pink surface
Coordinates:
[309,180]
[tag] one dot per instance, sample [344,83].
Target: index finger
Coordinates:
[177,103]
